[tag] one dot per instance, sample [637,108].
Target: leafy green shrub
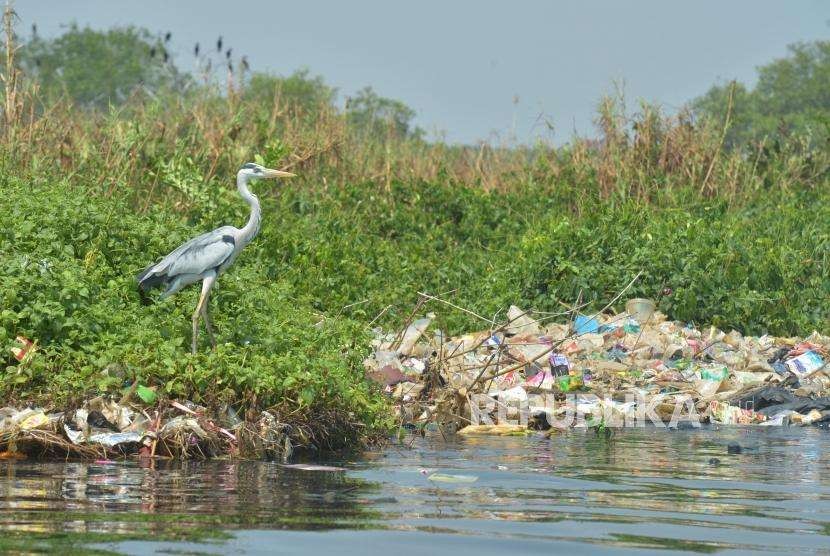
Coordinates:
[68,282]
[731,266]
[291,315]
[763,268]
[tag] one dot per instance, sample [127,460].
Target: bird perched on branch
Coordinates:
[207,256]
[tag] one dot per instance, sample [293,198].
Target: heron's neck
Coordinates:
[251,228]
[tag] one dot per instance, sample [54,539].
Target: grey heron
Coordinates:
[207,256]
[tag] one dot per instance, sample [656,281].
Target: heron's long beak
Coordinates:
[278,174]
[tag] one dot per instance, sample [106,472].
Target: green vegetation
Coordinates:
[299,92]
[99,68]
[379,117]
[792,96]
[377,215]
[69,282]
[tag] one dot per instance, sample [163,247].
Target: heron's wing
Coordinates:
[196,256]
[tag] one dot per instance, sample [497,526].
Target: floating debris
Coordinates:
[22,354]
[528,373]
[312,467]
[104,428]
[447,478]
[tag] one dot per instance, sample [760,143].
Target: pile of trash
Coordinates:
[613,369]
[103,428]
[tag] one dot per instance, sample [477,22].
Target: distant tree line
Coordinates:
[96,69]
[99,68]
[792,96]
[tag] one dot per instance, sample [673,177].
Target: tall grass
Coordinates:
[151,148]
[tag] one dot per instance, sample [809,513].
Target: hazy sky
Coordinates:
[463,64]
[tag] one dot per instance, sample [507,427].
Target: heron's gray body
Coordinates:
[209,254]
[205,257]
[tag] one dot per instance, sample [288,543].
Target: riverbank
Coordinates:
[104,429]
[530,374]
[366,230]
[293,316]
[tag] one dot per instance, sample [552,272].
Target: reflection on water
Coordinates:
[639,489]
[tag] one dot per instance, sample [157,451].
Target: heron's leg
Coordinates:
[195,338]
[206,318]
[201,310]
[206,284]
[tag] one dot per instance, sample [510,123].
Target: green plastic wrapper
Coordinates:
[147,395]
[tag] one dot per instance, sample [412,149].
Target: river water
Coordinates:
[639,490]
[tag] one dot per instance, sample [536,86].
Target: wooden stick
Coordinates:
[156,439]
[454,306]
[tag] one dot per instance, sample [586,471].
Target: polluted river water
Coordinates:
[631,490]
